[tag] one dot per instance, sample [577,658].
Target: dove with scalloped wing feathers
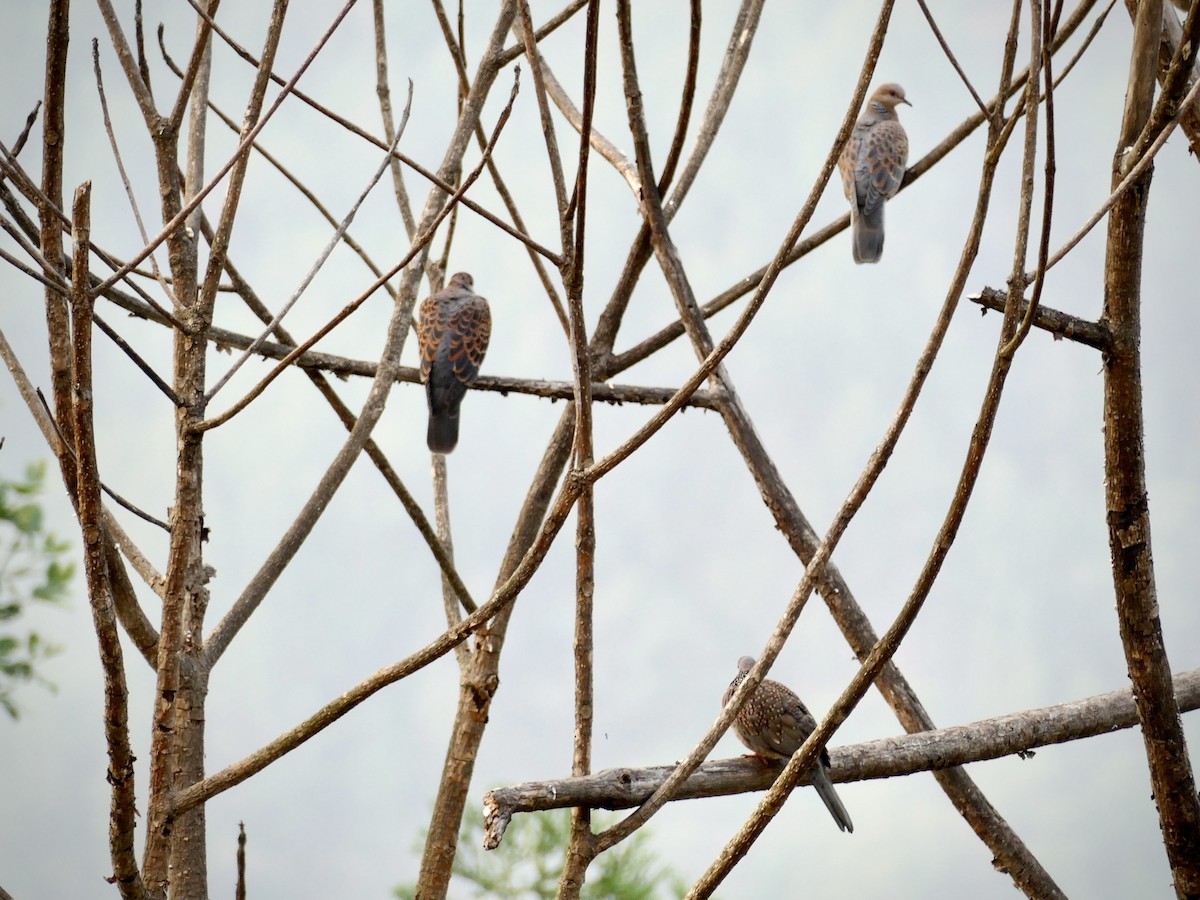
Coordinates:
[774,723]
[453,332]
[872,166]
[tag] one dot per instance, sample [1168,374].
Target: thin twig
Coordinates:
[433,178]
[133,72]
[240,888]
[19,144]
[116,150]
[937,33]
[223,232]
[552,25]
[1048,183]
[384,93]
[525,24]
[318,263]
[197,63]
[121,501]
[235,158]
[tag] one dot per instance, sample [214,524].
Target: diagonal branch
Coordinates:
[440,553]
[170,228]
[434,178]
[1011,854]
[401,322]
[749,283]
[129,611]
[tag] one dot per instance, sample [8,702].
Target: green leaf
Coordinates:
[27,518]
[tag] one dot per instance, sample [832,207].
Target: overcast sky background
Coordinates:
[691,571]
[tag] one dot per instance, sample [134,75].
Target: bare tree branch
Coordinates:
[749,283]
[1059,324]
[129,611]
[1126,498]
[456,52]
[123,808]
[433,177]
[170,227]
[384,93]
[1014,734]
[581,848]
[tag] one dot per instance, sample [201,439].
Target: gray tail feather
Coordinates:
[442,436]
[867,238]
[832,802]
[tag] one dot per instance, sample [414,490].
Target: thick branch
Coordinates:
[1059,324]
[1017,733]
[1127,501]
[122,810]
[1170,39]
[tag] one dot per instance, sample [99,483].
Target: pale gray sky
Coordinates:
[692,573]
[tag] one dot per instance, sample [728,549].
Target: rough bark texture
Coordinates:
[120,775]
[53,143]
[1127,502]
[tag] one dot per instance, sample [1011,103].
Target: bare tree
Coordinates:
[187,304]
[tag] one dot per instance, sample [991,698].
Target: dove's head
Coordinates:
[890,95]
[462,280]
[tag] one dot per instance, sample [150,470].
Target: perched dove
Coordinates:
[773,724]
[872,165]
[453,333]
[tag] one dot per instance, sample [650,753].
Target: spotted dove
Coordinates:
[773,723]
[872,165]
[453,335]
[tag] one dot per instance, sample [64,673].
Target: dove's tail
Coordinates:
[442,436]
[867,236]
[832,802]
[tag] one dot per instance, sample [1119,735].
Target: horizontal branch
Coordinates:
[555,390]
[1016,733]
[342,366]
[1060,324]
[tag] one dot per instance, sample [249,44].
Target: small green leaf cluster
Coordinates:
[33,567]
